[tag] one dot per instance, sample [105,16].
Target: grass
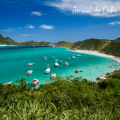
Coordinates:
[36,111]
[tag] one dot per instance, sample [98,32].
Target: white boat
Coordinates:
[35,82]
[53,75]
[66,63]
[56,64]
[7,83]
[30,64]
[77,70]
[73,57]
[47,70]
[60,61]
[78,55]
[29,72]
[53,57]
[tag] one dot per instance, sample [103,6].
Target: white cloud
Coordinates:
[30,26]
[113,23]
[47,26]
[19,27]
[9,30]
[67,6]
[28,35]
[36,13]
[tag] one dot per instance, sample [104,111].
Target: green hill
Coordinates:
[32,43]
[64,44]
[6,40]
[91,44]
[113,48]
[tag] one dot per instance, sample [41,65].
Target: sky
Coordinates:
[59,20]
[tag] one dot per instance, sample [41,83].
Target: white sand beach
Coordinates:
[97,53]
[7,45]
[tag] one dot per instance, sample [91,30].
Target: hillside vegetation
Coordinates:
[32,43]
[91,44]
[64,44]
[70,97]
[111,47]
[6,40]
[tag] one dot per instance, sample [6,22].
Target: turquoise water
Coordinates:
[13,64]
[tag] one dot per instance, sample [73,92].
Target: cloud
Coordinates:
[28,35]
[47,26]
[113,23]
[9,30]
[102,6]
[30,26]
[36,13]
[19,27]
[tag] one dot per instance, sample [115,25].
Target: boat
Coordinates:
[86,57]
[56,64]
[66,63]
[73,57]
[47,70]
[30,64]
[78,55]
[110,66]
[29,72]
[53,57]
[60,61]
[35,82]
[89,64]
[7,83]
[81,71]
[68,58]
[77,70]
[53,75]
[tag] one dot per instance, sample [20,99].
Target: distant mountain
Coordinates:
[91,44]
[32,43]
[111,47]
[6,40]
[64,44]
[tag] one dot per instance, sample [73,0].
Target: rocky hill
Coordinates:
[4,40]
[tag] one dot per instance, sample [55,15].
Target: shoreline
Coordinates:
[8,45]
[97,54]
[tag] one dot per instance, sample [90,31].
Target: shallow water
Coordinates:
[14,60]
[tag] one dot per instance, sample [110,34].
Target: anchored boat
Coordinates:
[35,82]
[53,75]
[7,83]
[66,63]
[47,70]
[73,57]
[29,72]
[56,64]
[60,61]
[30,64]
[77,70]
